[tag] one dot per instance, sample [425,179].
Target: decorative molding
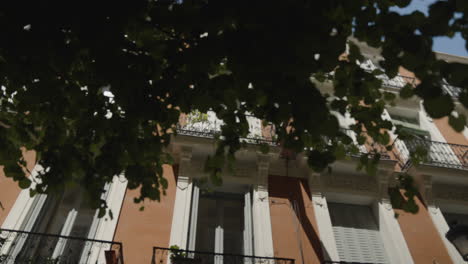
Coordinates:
[450,192]
[385,179]
[361,183]
[183,199]
[315,183]
[263,166]
[263,238]
[243,172]
[185,164]
[427,189]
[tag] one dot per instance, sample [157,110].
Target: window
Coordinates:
[357,234]
[221,220]
[66,214]
[410,125]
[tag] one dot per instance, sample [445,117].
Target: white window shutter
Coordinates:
[356,234]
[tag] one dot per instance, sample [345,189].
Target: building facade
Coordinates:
[268,209]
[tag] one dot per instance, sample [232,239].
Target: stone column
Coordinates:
[181,215]
[392,237]
[263,239]
[322,217]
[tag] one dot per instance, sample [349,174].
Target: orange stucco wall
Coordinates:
[9,189]
[140,231]
[450,135]
[294,230]
[422,238]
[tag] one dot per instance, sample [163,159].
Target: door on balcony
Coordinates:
[221,223]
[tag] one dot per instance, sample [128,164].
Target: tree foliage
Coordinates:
[163,58]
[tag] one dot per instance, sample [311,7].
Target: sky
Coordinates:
[455,45]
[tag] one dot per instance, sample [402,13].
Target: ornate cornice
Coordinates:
[361,183]
[450,192]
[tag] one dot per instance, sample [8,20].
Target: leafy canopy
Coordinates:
[163,58]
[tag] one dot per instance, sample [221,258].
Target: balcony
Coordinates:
[21,247]
[439,154]
[368,148]
[209,126]
[179,256]
[397,82]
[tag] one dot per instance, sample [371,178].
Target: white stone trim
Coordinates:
[392,237]
[192,236]
[261,218]
[248,229]
[263,238]
[181,214]
[442,227]
[22,206]
[106,226]
[325,229]
[465,132]
[389,228]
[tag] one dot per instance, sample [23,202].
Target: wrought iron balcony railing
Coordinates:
[451,90]
[179,256]
[21,247]
[439,154]
[368,148]
[208,126]
[396,82]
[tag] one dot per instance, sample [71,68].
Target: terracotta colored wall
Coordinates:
[450,135]
[295,233]
[9,189]
[422,238]
[140,231]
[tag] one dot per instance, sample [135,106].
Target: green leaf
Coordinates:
[407,91]
[458,123]
[264,148]
[439,106]
[24,183]
[101,212]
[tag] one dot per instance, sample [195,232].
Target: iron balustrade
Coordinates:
[439,154]
[451,90]
[371,149]
[180,256]
[206,128]
[397,82]
[21,247]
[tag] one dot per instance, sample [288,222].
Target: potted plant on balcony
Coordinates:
[179,256]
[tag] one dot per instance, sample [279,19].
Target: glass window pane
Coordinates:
[206,225]
[233,224]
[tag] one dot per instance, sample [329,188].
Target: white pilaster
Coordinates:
[23,205]
[263,239]
[181,214]
[442,227]
[106,226]
[322,217]
[392,237]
